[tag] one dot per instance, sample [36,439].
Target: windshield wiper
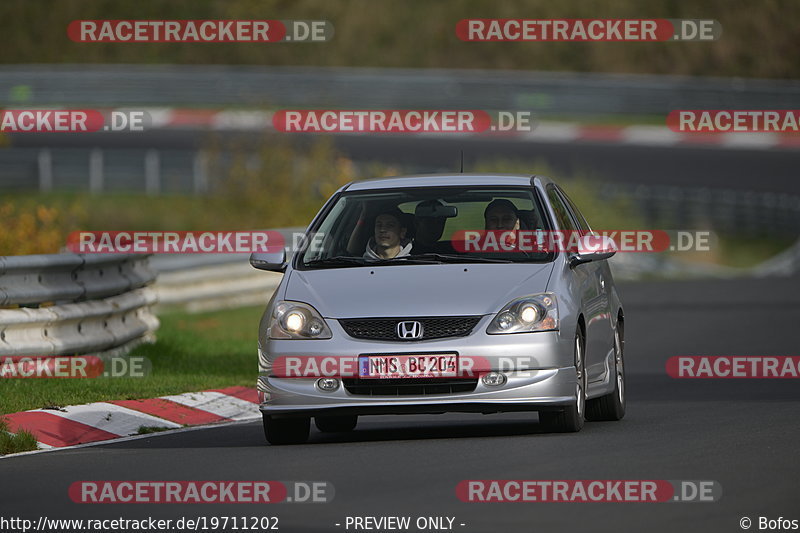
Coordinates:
[414,259]
[450,258]
[336,261]
[417,259]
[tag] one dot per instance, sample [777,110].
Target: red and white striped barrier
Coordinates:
[168,118]
[101,421]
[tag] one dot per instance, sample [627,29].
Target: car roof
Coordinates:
[444,180]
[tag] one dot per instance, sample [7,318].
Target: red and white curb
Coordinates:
[102,421]
[223,120]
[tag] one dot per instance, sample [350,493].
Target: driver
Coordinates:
[389,239]
[501,214]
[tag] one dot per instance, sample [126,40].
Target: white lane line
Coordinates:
[650,135]
[750,140]
[552,132]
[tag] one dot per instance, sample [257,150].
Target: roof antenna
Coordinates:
[462,161]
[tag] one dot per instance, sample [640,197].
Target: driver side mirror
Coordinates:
[593,248]
[272,261]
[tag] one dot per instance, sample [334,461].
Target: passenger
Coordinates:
[501,214]
[389,239]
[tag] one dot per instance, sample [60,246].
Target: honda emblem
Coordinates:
[409,330]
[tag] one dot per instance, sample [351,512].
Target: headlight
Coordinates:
[537,312]
[296,320]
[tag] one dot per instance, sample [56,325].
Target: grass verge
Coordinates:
[193,353]
[745,252]
[20,442]
[280,186]
[146,430]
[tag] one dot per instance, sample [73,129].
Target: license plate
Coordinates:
[408,366]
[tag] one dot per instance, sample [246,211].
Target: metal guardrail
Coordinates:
[726,211]
[786,263]
[198,282]
[547,93]
[30,280]
[228,281]
[103,304]
[70,304]
[220,286]
[116,169]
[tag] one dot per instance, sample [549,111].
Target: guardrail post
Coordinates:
[96,170]
[199,174]
[152,172]
[45,164]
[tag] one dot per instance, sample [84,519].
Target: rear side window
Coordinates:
[578,216]
[562,214]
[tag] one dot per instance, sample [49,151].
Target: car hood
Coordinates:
[416,290]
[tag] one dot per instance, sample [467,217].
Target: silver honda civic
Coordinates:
[442,293]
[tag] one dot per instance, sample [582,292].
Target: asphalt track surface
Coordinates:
[741,433]
[765,170]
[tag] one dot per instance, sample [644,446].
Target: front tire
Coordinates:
[286,430]
[612,405]
[570,419]
[336,424]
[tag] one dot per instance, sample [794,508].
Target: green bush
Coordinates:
[758,39]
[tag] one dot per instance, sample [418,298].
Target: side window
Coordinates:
[562,214]
[577,215]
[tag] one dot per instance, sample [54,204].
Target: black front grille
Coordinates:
[385,329]
[408,386]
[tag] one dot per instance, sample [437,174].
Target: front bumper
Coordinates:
[538,368]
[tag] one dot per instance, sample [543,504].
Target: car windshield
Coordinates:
[429,225]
